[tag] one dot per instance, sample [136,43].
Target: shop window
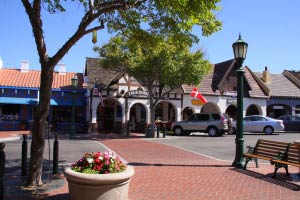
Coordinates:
[62,114]
[278,110]
[297,110]
[10,112]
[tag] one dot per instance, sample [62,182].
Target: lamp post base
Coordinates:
[239,159]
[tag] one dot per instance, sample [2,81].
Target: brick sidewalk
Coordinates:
[164,172]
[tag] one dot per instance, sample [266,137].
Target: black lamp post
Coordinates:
[74,86]
[240,51]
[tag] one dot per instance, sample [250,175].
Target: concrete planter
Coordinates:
[99,186]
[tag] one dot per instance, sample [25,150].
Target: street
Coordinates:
[222,148]
[69,151]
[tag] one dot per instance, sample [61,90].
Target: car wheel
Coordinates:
[178,131]
[212,131]
[232,131]
[268,130]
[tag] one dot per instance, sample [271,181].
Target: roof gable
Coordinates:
[281,86]
[293,76]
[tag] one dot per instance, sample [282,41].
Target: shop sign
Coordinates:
[197,102]
[278,107]
[138,93]
[230,93]
[231,101]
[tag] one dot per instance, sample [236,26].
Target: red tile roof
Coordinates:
[31,79]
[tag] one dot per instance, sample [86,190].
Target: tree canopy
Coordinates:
[168,18]
[155,59]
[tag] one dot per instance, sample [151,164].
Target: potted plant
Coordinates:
[99,176]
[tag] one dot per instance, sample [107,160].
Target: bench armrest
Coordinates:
[280,156]
[251,149]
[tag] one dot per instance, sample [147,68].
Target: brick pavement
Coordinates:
[167,173]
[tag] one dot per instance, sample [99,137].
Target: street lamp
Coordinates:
[240,51]
[74,81]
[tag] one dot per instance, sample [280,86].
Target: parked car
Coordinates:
[211,123]
[258,123]
[291,122]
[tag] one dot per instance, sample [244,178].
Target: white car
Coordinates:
[258,123]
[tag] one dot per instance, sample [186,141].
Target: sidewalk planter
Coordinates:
[112,186]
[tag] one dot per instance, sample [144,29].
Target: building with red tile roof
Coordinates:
[19,94]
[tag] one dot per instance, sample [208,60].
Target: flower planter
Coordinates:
[99,186]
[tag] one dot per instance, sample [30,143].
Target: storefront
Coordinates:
[19,97]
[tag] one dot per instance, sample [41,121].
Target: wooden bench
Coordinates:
[265,150]
[290,157]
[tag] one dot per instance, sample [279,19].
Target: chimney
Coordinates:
[266,76]
[1,63]
[24,66]
[61,68]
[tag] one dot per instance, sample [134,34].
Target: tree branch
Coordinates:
[87,19]
[34,14]
[96,28]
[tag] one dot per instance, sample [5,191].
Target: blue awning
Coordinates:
[34,101]
[12,100]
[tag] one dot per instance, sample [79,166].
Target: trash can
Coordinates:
[148,130]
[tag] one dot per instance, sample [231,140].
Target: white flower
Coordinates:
[90,160]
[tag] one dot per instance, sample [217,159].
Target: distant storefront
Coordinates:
[19,97]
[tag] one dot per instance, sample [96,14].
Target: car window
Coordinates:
[294,118]
[203,117]
[260,119]
[249,119]
[216,116]
[246,119]
[193,118]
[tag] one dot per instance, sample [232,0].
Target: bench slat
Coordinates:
[287,163]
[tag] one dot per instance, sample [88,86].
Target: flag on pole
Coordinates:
[195,93]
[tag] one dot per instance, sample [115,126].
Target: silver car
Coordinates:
[258,123]
[211,123]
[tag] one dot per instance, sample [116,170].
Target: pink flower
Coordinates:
[102,163]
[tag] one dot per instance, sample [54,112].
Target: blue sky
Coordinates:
[271,28]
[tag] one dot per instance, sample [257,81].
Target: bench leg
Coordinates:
[247,160]
[275,171]
[287,170]
[256,162]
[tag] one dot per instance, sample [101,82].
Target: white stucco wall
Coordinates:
[224,101]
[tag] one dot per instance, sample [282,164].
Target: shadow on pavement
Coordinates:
[281,179]
[13,181]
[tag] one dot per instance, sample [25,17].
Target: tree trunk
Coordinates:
[38,127]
